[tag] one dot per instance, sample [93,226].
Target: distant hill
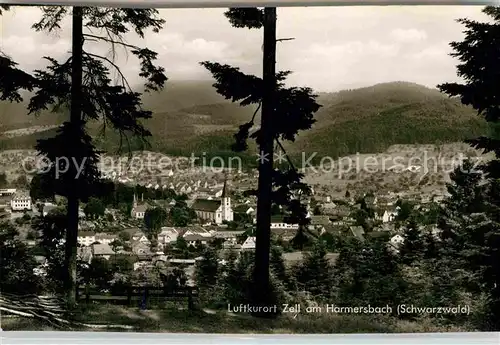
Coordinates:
[191,117]
[15,116]
[373,118]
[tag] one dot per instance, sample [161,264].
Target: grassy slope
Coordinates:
[190,117]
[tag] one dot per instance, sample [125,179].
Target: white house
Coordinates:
[195,238]
[397,240]
[139,236]
[245,208]
[249,243]
[86,238]
[142,264]
[168,235]
[389,216]
[20,202]
[216,211]
[277,222]
[104,238]
[229,237]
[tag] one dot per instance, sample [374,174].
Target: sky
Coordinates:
[334,48]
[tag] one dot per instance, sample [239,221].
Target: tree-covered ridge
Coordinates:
[391,113]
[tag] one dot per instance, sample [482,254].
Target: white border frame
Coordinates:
[251,3]
[112,338]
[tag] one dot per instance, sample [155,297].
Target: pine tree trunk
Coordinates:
[75,118]
[261,288]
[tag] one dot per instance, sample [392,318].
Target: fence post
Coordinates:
[190,299]
[146,298]
[87,294]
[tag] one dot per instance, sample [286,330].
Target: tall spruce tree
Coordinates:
[479,56]
[82,85]
[466,197]
[461,224]
[369,273]
[278,264]
[284,112]
[207,269]
[315,274]
[16,262]
[412,248]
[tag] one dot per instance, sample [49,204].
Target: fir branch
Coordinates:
[250,18]
[124,80]
[109,40]
[289,160]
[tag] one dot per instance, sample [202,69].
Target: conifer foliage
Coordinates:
[413,246]
[207,269]
[315,274]
[83,85]
[285,112]
[476,235]
[479,55]
[12,79]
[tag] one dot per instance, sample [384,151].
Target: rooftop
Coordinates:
[206,205]
[228,234]
[102,249]
[105,236]
[242,208]
[193,229]
[168,230]
[140,208]
[358,232]
[320,220]
[296,257]
[195,237]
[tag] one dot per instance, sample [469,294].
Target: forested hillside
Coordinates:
[189,117]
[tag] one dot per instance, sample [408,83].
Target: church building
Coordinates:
[215,211]
[139,210]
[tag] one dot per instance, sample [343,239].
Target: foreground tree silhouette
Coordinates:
[82,83]
[285,111]
[479,67]
[12,79]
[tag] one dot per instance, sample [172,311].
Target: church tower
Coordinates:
[227,211]
[134,203]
